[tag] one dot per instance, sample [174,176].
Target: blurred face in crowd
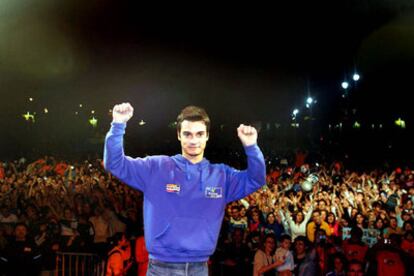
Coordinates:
[68,214]
[255,217]
[31,213]
[269,244]
[379,224]
[322,205]
[299,217]
[124,242]
[407,226]
[285,244]
[235,213]
[372,217]
[359,218]
[355,269]
[393,223]
[345,203]
[323,215]
[20,232]
[316,217]
[300,247]
[406,216]
[271,218]
[243,212]
[331,218]
[354,212]
[338,265]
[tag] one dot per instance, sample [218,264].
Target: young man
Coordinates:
[184,195]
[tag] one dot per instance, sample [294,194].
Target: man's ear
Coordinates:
[178,136]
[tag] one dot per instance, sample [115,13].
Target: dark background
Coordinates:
[243,62]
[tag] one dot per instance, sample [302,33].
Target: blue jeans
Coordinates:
[158,268]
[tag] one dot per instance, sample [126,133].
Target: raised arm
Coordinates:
[242,183]
[129,170]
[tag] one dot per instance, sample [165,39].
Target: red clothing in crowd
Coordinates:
[408,246]
[355,250]
[389,263]
[60,168]
[2,175]
[141,256]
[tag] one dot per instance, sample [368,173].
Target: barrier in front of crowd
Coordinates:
[79,264]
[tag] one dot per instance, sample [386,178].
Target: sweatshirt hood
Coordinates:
[188,167]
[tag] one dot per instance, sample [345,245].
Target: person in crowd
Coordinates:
[22,256]
[101,231]
[392,228]
[355,268]
[315,224]
[334,226]
[338,266]
[273,226]
[297,226]
[283,254]
[304,257]
[141,256]
[353,247]
[236,220]
[236,255]
[265,262]
[117,264]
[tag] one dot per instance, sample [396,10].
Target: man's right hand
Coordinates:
[121,113]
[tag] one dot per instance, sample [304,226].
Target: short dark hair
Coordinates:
[285,237]
[193,113]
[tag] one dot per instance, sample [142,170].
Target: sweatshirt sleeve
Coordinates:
[242,183]
[133,172]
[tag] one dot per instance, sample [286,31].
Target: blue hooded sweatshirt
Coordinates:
[184,203]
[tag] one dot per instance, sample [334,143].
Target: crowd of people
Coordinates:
[309,219]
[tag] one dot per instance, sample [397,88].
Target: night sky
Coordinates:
[243,63]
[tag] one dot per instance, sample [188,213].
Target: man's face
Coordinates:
[193,137]
[300,247]
[235,214]
[20,232]
[316,218]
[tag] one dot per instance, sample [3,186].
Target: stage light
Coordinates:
[400,123]
[309,100]
[356,77]
[31,99]
[80,105]
[295,112]
[142,122]
[92,111]
[29,116]
[357,125]
[345,85]
[45,110]
[93,122]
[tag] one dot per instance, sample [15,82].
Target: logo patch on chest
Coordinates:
[172,188]
[214,192]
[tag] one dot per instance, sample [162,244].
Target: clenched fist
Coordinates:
[121,113]
[247,135]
